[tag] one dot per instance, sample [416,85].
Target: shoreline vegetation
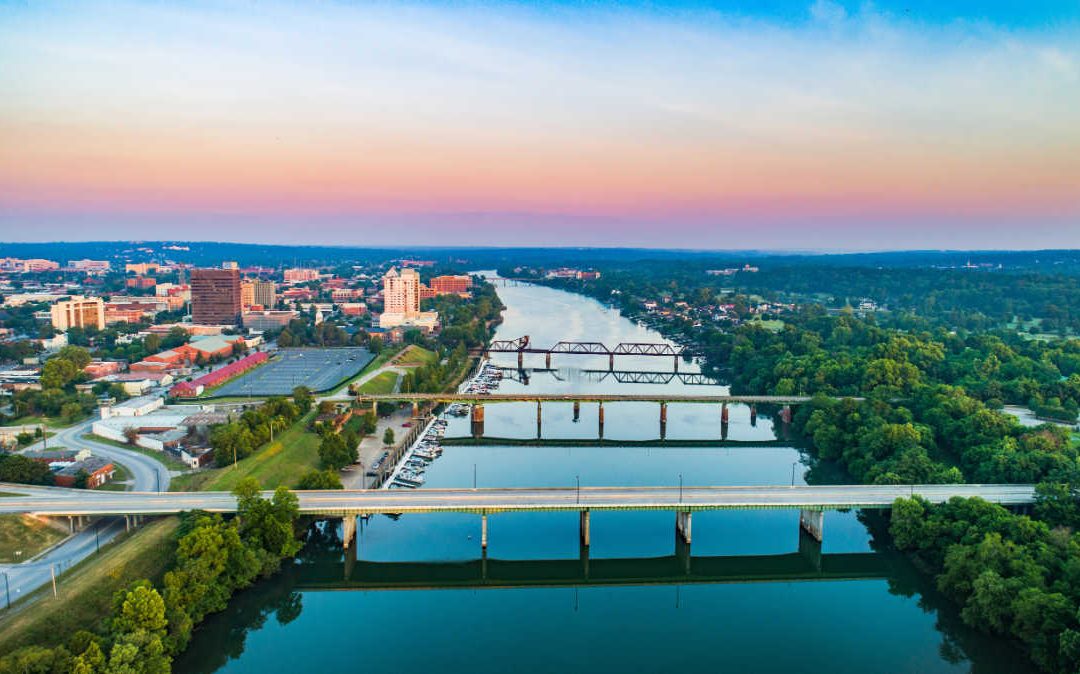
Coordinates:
[1010,574]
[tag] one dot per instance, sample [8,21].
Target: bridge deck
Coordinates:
[484,398]
[483,501]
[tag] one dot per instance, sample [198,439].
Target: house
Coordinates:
[98,472]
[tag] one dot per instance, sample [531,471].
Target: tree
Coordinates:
[320,479]
[71,412]
[388,437]
[267,526]
[138,627]
[131,434]
[303,398]
[335,453]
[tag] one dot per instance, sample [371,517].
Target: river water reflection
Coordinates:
[757,597]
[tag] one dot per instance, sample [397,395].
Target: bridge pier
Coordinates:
[753,415]
[415,410]
[663,420]
[812,521]
[375,409]
[676,364]
[584,528]
[477,418]
[682,525]
[810,549]
[785,414]
[350,560]
[348,531]
[483,533]
[723,431]
[521,360]
[600,416]
[577,410]
[724,418]
[547,360]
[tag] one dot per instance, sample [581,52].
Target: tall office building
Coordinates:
[215,296]
[78,312]
[401,301]
[265,293]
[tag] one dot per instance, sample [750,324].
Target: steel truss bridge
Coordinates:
[618,376]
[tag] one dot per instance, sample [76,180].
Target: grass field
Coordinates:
[86,591]
[170,462]
[414,356]
[281,462]
[38,420]
[380,383]
[22,537]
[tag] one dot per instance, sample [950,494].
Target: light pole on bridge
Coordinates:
[680,488]
[578,478]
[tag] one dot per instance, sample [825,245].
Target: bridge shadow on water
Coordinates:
[325,568]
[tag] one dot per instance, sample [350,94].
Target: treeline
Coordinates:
[58,397]
[468,322]
[436,376]
[239,439]
[215,557]
[1011,575]
[305,333]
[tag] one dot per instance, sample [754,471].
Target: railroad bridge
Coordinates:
[522,346]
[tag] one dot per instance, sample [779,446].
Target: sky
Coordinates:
[776,124]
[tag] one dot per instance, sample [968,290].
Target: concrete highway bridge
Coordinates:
[679,569]
[478,400]
[811,501]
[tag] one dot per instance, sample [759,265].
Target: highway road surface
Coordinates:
[147,475]
[339,503]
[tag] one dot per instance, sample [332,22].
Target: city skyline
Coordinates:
[794,125]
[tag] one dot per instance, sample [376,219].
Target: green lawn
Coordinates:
[38,420]
[380,383]
[282,462]
[416,355]
[170,462]
[86,591]
[22,537]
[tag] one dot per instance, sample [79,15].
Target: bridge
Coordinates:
[679,569]
[619,376]
[522,346]
[478,400]
[811,501]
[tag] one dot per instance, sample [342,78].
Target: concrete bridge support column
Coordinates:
[810,549]
[585,528]
[483,532]
[812,521]
[477,416]
[350,559]
[682,525]
[521,360]
[577,410]
[348,531]
[785,414]
[127,523]
[415,409]
[539,419]
[724,417]
[547,360]
[600,416]
[375,409]
[663,420]
[753,415]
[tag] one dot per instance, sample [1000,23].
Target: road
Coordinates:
[482,501]
[147,475]
[481,398]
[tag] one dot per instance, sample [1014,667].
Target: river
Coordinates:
[761,598]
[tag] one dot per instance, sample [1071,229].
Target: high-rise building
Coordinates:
[78,312]
[247,293]
[401,292]
[230,264]
[265,294]
[401,301]
[215,296]
[89,265]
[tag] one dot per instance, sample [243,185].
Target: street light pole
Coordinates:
[680,487]
[578,478]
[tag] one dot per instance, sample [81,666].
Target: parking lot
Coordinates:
[317,369]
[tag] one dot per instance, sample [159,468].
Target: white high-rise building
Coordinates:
[401,301]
